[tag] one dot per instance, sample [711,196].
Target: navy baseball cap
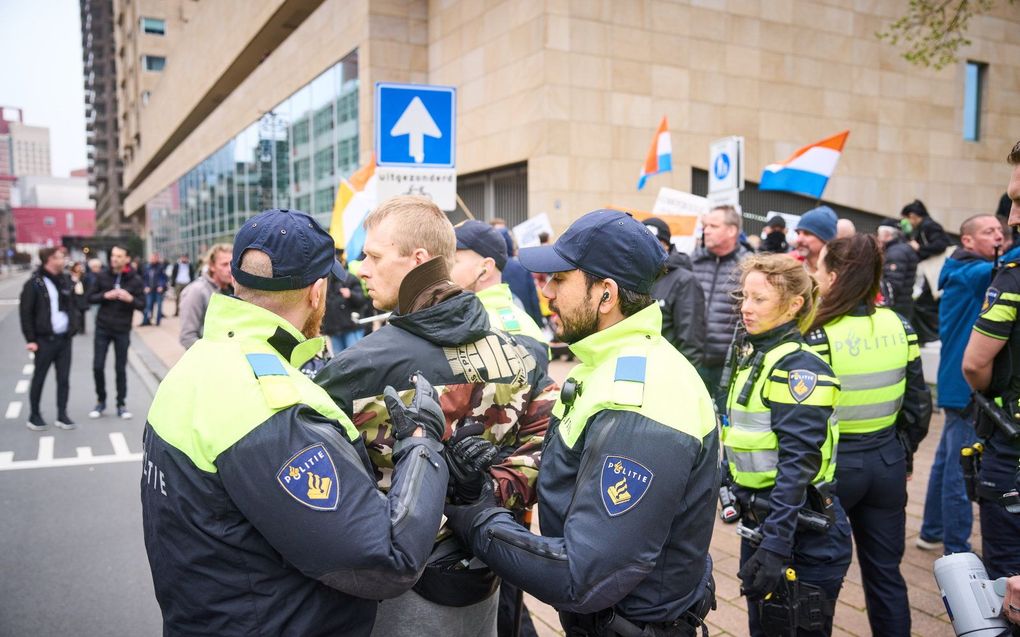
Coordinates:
[300,250]
[606,243]
[483,239]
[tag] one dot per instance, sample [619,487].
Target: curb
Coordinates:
[146,365]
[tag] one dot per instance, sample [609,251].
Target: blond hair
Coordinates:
[418,223]
[789,278]
[210,256]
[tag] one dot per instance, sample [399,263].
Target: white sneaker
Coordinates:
[97,411]
[122,412]
[925,545]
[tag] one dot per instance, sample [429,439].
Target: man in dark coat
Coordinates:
[930,241]
[680,298]
[48,321]
[716,266]
[119,291]
[899,269]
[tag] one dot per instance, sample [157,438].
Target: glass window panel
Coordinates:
[974,76]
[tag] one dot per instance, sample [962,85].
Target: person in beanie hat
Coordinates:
[816,228]
[775,236]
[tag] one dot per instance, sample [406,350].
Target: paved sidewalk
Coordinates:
[929,616]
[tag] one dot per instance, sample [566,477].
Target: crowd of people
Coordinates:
[296,496]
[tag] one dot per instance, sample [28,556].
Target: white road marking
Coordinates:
[10,301]
[46,448]
[120,445]
[83,457]
[28,369]
[21,387]
[13,409]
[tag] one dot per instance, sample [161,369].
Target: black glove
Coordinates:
[761,574]
[423,412]
[907,449]
[469,459]
[459,517]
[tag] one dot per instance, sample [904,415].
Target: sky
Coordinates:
[41,72]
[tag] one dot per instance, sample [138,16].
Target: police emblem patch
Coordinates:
[310,478]
[624,482]
[802,383]
[991,296]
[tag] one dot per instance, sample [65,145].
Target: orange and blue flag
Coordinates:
[660,155]
[355,198]
[806,171]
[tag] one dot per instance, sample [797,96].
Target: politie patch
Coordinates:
[802,383]
[624,482]
[310,478]
[991,296]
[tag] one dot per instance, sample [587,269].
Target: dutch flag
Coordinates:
[807,171]
[660,155]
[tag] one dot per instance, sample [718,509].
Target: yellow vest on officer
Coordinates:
[869,355]
[505,315]
[752,447]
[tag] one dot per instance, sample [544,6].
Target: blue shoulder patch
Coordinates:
[266,365]
[991,296]
[310,478]
[624,482]
[802,383]
[631,368]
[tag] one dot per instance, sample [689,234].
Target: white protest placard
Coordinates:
[682,211]
[526,233]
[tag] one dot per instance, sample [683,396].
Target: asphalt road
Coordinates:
[72,561]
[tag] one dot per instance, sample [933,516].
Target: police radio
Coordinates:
[974,602]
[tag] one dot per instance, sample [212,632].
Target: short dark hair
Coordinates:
[630,302]
[1014,155]
[46,253]
[116,246]
[917,207]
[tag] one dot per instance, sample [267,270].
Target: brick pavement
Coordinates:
[927,612]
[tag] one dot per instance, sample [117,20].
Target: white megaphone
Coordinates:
[973,601]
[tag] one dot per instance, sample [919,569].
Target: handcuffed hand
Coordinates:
[761,574]
[424,411]
[460,517]
[469,458]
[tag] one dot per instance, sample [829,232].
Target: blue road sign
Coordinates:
[415,125]
[722,166]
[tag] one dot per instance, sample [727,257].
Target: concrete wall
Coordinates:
[578,88]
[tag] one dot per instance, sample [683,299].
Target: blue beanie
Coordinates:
[820,221]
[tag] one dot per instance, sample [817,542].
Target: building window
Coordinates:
[153,62]
[974,81]
[49,221]
[153,26]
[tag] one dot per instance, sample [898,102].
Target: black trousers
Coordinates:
[872,486]
[56,351]
[121,341]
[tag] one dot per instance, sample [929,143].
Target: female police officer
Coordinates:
[780,442]
[883,412]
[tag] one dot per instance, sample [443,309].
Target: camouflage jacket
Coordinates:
[482,374]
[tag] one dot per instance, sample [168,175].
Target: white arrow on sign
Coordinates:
[416,123]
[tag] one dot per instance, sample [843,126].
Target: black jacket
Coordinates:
[116,316]
[898,274]
[176,269]
[35,306]
[775,242]
[338,317]
[682,302]
[719,278]
[931,237]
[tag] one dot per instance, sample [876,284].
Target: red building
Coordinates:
[45,226]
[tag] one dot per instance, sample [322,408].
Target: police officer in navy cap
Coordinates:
[259,505]
[628,480]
